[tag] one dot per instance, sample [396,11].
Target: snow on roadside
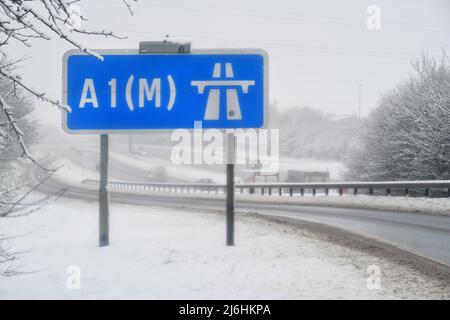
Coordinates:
[183,172]
[158,253]
[189,173]
[406,204]
[73,173]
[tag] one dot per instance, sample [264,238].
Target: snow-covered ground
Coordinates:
[184,172]
[76,164]
[158,253]
[72,173]
[407,204]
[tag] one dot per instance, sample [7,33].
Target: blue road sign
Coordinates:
[129,92]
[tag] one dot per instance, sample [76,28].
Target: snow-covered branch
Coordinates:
[27,21]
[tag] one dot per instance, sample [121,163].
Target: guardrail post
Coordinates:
[280,191]
[326,191]
[314,191]
[388,192]
[355,191]
[302,192]
[290,192]
[427,192]
[103,195]
[406,192]
[370,191]
[270,191]
[341,192]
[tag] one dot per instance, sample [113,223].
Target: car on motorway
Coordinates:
[205,181]
[158,174]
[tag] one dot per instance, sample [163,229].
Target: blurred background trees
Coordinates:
[308,133]
[21,107]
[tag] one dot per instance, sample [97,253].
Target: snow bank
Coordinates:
[160,253]
[407,204]
[73,174]
[181,172]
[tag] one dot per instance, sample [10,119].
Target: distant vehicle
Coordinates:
[307,176]
[205,180]
[158,174]
[141,152]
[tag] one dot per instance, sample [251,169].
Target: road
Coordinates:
[423,234]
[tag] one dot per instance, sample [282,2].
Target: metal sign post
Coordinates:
[231,148]
[103,194]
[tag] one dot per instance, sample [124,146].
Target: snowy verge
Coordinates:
[183,172]
[72,174]
[158,253]
[406,204]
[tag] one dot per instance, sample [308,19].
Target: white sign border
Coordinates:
[72,52]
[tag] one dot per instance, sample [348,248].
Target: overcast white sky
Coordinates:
[319,51]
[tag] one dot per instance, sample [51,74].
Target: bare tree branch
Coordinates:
[129,7]
[15,204]
[23,20]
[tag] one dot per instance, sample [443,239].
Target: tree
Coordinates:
[21,107]
[24,22]
[10,176]
[407,137]
[308,133]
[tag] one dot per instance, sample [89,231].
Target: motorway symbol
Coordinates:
[213,104]
[129,92]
